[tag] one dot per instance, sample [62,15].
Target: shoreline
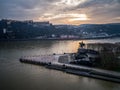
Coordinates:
[57,39]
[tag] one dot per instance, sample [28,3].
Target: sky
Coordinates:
[73,12]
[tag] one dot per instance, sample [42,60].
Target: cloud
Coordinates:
[99,11]
[104,12]
[57,11]
[24,8]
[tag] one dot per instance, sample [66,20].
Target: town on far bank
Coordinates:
[28,29]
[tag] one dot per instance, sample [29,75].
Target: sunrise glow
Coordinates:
[79,17]
[70,17]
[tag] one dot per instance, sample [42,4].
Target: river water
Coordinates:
[19,76]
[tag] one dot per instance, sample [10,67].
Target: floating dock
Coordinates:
[61,62]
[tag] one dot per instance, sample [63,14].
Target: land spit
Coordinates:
[62,62]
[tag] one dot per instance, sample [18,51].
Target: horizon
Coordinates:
[70,12]
[62,23]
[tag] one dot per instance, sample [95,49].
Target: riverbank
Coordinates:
[31,39]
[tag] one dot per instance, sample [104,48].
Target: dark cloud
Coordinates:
[23,8]
[93,3]
[106,10]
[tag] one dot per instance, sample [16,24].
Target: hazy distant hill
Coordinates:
[112,28]
[12,29]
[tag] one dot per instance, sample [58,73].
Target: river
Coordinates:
[19,76]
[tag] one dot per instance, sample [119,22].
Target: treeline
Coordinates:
[112,28]
[25,30]
[109,53]
[12,29]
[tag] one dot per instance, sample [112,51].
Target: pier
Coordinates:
[61,62]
